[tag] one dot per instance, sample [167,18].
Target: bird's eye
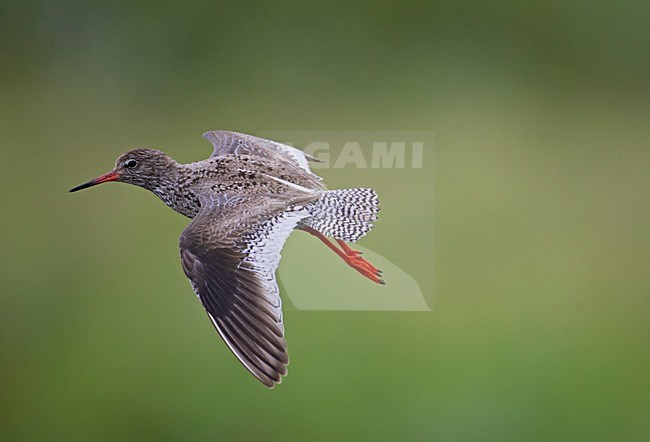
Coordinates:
[130,164]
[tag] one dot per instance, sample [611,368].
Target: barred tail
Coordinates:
[344,214]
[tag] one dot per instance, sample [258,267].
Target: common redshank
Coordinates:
[244,201]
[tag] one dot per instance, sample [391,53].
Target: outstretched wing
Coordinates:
[230,253]
[227,142]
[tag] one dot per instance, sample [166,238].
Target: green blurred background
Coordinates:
[533,205]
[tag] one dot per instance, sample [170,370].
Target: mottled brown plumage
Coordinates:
[244,202]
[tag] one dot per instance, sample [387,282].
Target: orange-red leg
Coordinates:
[351,257]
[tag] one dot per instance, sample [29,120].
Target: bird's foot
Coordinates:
[365,268]
[353,259]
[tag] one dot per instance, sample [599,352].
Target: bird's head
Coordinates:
[141,167]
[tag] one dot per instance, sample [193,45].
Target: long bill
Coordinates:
[110,176]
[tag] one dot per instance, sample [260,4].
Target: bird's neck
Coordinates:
[175,188]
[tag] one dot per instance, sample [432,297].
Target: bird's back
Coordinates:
[245,174]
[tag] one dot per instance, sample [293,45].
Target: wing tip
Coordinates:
[210,135]
[273,382]
[270,378]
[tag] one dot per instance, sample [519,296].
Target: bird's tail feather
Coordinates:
[344,214]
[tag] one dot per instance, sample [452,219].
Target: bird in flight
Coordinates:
[244,202]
